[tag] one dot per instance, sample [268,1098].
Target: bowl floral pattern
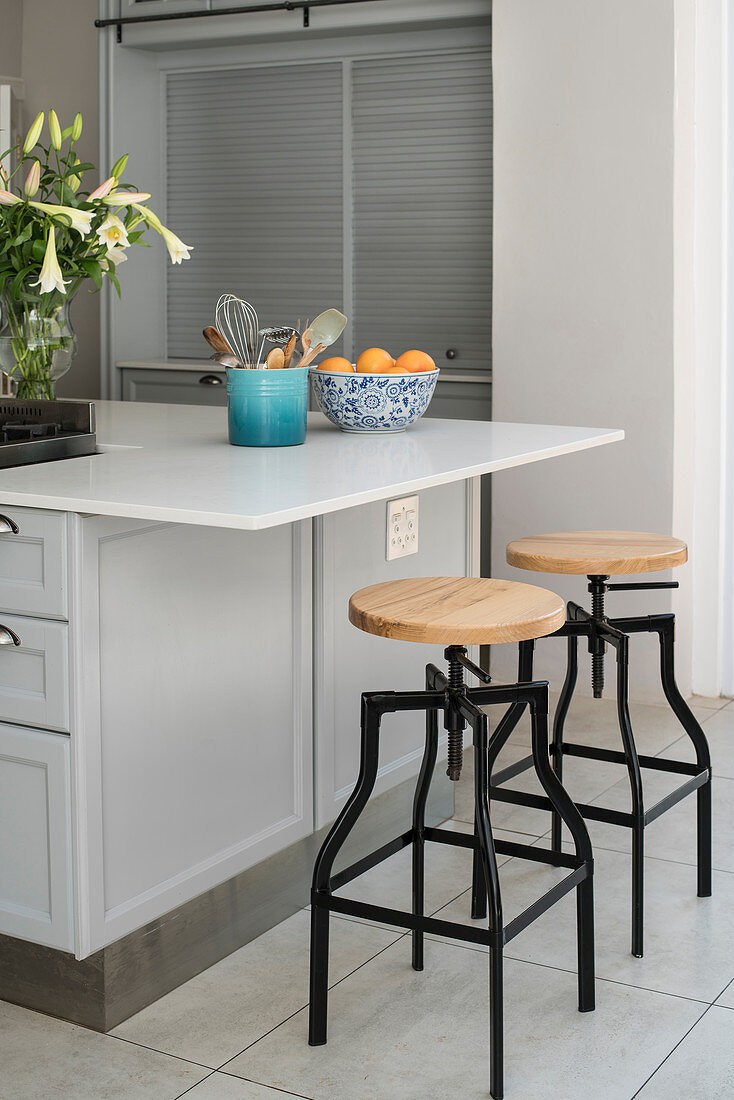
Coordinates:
[373,402]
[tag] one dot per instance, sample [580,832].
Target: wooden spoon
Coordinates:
[215,340]
[289,349]
[275,359]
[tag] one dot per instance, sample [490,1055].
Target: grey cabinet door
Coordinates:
[35,823]
[175,387]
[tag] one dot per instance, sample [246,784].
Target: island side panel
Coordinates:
[349,553]
[195,744]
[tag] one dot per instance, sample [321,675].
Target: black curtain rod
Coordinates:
[240,9]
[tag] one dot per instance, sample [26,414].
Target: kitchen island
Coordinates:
[181,717]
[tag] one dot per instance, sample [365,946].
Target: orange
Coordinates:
[374,361]
[412,362]
[337,363]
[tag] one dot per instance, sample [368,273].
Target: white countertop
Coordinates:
[173,463]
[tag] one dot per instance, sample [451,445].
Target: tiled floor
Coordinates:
[663,1027]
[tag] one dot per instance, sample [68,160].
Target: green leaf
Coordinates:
[94,271]
[112,276]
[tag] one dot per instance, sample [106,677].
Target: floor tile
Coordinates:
[709,702]
[221,1086]
[687,939]
[726,1000]
[719,730]
[405,1036]
[594,722]
[673,835]
[221,1011]
[448,873]
[47,1059]
[583,779]
[702,1066]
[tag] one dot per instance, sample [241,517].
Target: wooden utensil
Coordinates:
[311,355]
[275,359]
[289,349]
[216,341]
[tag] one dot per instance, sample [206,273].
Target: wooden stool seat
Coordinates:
[597,553]
[457,610]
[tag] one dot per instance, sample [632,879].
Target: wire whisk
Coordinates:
[238,323]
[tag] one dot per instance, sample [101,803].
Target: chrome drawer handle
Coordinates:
[8,526]
[210,380]
[8,636]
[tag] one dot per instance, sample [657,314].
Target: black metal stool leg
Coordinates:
[559,721]
[491,878]
[419,822]
[638,809]
[703,757]
[319,978]
[499,739]
[566,811]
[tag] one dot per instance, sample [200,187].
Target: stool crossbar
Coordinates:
[601,631]
[461,706]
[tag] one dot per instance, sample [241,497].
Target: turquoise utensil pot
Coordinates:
[267,408]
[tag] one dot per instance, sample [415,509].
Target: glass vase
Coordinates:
[37,341]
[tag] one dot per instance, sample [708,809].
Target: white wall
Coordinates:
[584,277]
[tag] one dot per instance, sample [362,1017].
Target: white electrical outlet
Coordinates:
[402,527]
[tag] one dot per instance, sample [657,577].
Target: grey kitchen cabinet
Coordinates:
[175,387]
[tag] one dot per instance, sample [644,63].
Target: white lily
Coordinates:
[177,250]
[114,256]
[81,220]
[51,277]
[8,199]
[112,232]
[126,198]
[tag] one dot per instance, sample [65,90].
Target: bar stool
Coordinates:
[457,612]
[599,555]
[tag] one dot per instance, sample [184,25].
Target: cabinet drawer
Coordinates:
[35,824]
[33,578]
[175,387]
[34,676]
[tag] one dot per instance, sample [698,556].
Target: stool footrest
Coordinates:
[540,802]
[676,796]
[546,900]
[371,860]
[504,847]
[433,925]
[616,756]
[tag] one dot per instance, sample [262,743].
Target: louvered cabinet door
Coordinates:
[422,185]
[254,181]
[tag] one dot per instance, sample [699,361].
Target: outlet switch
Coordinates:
[402,527]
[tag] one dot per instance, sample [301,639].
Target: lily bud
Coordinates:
[34,133]
[103,189]
[54,129]
[74,182]
[126,198]
[3,177]
[76,129]
[119,166]
[8,199]
[33,179]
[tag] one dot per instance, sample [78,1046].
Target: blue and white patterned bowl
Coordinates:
[373,402]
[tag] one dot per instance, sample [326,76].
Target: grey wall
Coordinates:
[53,47]
[11,23]
[583,293]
